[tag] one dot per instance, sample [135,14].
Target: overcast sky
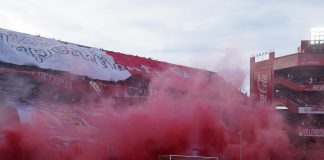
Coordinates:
[206,34]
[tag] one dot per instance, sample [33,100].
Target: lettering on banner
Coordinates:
[4,37]
[311,109]
[132,91]
[42,49]
[262,87]
[39,55]
[180,72]
[67,84]
[129,68]
[308,109]
[146,69]
[318,87]
[95,86]
[317,132]
[137,86]
[120,67]
[160,74]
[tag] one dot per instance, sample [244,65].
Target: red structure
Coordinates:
[294,85]
[63,71]
[35,70]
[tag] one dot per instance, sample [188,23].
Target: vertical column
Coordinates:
[272,89]
[252,94]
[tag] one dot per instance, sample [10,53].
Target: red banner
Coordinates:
[262,86]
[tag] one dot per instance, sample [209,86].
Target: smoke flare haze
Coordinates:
[202,118]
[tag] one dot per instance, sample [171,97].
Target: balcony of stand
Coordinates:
[281,80]
[299,86]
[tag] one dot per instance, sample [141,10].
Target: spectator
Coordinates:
[311,80]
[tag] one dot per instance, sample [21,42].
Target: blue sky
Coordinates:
[217,35]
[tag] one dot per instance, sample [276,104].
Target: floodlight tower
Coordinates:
[317,35]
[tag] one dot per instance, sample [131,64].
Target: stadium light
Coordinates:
[317,35]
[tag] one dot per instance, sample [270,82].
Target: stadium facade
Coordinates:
[294,85]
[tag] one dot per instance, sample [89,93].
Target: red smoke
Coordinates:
[199,119]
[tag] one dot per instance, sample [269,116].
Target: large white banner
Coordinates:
[24,49]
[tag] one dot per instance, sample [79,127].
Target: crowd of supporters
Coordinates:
[304,76]
[304,120]
[303,99]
